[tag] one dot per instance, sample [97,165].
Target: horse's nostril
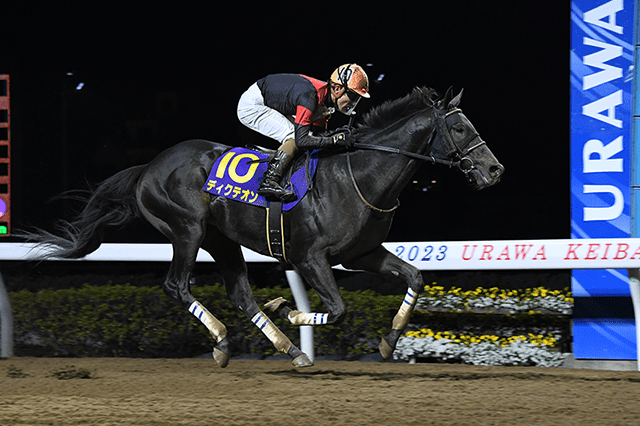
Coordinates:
[497,170]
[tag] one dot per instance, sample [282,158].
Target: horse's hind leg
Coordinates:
[184,227]
[230,261]
[177,285]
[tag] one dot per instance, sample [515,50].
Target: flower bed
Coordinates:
[505,346]
[495,299]
[530,350]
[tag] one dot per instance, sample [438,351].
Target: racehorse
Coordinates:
[343,219]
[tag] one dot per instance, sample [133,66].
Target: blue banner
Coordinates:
[602,60]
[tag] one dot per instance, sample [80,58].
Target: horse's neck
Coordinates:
[383,175]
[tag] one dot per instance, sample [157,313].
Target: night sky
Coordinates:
[159,75]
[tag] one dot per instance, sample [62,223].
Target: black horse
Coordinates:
[343,220]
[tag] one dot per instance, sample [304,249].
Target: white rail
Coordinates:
[612,253]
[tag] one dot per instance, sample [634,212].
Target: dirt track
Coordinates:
[194,391]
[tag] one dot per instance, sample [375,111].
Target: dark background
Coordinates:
[156,75]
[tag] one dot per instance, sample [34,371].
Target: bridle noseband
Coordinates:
[455,156]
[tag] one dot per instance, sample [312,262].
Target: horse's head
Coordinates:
[456,139]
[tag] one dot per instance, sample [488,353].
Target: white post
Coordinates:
[6,317]
[302,303]
[634,286]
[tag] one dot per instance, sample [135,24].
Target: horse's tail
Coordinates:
[112,203]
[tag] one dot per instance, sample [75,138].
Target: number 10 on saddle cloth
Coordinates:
[237,174]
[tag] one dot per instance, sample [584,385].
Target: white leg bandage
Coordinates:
[303,318]
[402,317]
[273,333]
[216,328]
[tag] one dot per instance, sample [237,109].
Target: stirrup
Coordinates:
[277,193]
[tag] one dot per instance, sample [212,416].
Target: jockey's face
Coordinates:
[344,100]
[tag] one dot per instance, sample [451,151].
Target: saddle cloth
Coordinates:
[232,176]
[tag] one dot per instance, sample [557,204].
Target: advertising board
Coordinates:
[602,69]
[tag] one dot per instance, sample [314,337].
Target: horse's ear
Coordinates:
[456,101]
[444,103]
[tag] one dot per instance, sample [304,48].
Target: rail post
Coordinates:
[6,320]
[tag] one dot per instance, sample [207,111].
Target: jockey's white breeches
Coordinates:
[253,113]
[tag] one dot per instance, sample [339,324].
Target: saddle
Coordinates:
[237,174]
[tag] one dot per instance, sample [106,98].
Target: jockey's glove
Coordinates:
[343,139]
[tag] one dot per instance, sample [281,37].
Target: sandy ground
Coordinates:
[197,392]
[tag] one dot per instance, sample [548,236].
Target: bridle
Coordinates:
[455,156]
[453,148]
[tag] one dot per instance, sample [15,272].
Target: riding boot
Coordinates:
[270,185]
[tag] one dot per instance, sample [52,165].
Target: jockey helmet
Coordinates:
[353,78]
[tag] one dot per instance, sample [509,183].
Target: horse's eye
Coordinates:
[458,129]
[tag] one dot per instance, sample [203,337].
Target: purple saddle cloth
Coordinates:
[233,176]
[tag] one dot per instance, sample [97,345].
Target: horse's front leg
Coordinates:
[384,262]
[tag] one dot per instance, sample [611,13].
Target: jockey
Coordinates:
[285,107]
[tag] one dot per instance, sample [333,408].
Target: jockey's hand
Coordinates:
[343,139]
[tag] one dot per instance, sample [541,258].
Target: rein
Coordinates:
[446,134]
[391,150]
[441,125]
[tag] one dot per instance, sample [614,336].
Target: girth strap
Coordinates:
[275,231]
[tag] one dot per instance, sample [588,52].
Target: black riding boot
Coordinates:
[270,187]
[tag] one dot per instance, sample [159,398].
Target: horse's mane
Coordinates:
[390,112]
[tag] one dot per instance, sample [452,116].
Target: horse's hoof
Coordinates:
[302,361]
[385,349]
[221,358]
[274,305]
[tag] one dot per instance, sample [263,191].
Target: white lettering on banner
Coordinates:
[598,59]
[603,213]
[604,162]
[607,10]
[608,103]
[596,155]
